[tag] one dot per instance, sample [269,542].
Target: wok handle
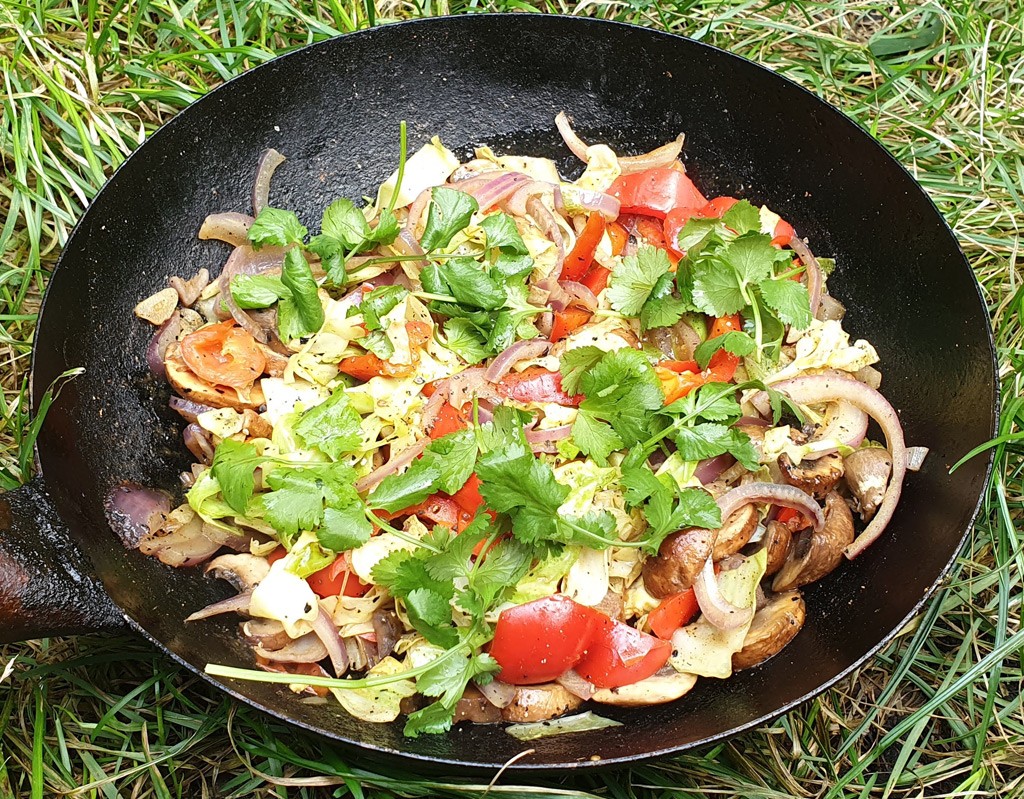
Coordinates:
[47,585]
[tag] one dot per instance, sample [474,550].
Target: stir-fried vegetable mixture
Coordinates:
[498,443]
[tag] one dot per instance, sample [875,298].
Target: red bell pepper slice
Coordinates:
[578,261]
[673,613]
[565,322]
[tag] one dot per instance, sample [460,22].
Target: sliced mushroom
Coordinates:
[540,703]
[667,685]
[473,706]
[387,629]
[179,541]
[816,477]
[775,624]
[777,538]
[736,532]
[243,571]
[813,555]
[192,388]
[158,309]
[255,426]
[678,562]
[266,633]
[867,474]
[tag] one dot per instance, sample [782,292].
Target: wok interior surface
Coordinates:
[334,110]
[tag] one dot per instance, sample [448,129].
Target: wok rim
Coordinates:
[522,766]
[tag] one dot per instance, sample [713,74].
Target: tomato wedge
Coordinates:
[578,261]
[541,640]
[536,384]
[793,519]
[673,613]
[618,655]
[337,579]
[368,366]
[655,192]
[223,354]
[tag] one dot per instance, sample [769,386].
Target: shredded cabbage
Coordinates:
[429,166]
[382,703]
[825,345]
[287,598]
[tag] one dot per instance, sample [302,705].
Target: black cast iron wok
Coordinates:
[334,109]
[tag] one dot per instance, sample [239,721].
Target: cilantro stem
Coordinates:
[376,520]
[402,151]
[698,409]
[798,270]
[426,295]
[758,333]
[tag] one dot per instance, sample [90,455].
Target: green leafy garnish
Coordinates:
[642,286]
[301,314]
[257,291]
[501,232]
[449,212]
[333,426]
[275,226]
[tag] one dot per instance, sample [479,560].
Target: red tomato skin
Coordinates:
[336,579]
[541,640]
[568,321]
[618,655]
[536,384]
[655,192]
[597,278]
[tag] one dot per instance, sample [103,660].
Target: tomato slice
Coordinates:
[337,579]
[536,384]
[674,222]
[276,555]
[655,192]
[223,354]
[677,383]
[716,208]
[368,366]
[541,640]
[793,519]
[673,613]
[721,367]
[565,322]
[578,261]
[618,655]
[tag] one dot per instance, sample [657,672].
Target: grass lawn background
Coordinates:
[937,713]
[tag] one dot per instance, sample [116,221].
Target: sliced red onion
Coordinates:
[915,458]
[497,190]
[327,632]
[604,204]
[465,385]
[558,298]
[752,421]
[709,470]
[580,294]
[518,202]
[131,507]
[813,268]
[539,437]
[187,409]
[185,546]
[658,157]
[870,376]
[247,261]
[833,387]
[544,323]
[267,633]
[831,309]
[844,422]
[433,407]
[573,682]
[197,442]
[395,463]
[416,210]
[718,610]
[498,693]
[771,494]
[269,162]
[230,227]
[572,141]
[520,351]
[233,604]
[406,244]
[161,340]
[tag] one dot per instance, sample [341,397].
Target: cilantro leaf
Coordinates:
[708,440]
[344,528]
[622,389]
[752,256]
[635,278]
[454,457]
[378,343]
[296,501]
[345,223]
[501,232]
[344,228]
[257,291]
[386,230]
[789,300]
[594,437]
[433,719]
[513,265]
[233,466]
[400,491]
[735,342]
[463,338]
[470,285]
[699,233]
[449,212]
[575,363]
[717,291]
[380,302]
[449,677]
[663,308]
[333,426]
[276,227]
[743,218]
[305,298]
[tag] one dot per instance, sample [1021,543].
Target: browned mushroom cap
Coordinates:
[267,633]
[666,685]
[540,703]
[473,706]
[775,624]
[816,477]
[736,532]
[678,562]
[777,539]
[813,555]
[243,571]
[867,474]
